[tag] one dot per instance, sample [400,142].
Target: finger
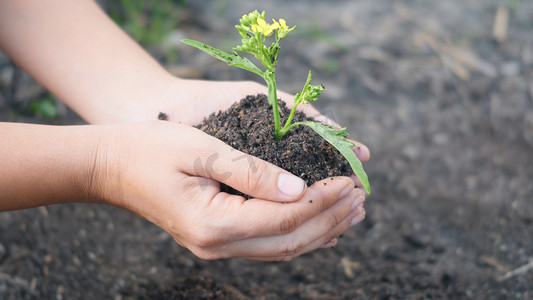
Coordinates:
[327,121]
[354,218]
[357,182]
[324,241]
[245,173]
[330,244]
[258,218]
[327,241]
[309,233]
[360,150]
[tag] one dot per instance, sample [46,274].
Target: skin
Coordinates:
[166,172]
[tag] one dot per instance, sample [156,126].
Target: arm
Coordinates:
[83,58]
[80,55]
[40,165]
[108,164]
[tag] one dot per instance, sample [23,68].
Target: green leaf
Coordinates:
[337,139]
[231,59]
[45,107]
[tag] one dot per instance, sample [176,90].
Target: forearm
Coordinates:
[81,56]
[43,165]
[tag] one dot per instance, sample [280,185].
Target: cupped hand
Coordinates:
[170,174]
[190,101]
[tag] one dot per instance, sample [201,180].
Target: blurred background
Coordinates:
[440,91]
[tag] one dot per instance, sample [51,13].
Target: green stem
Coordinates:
[288,125]
[297,100]
[286,128]
[270,78]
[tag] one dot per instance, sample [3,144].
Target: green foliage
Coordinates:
[514,5]
[45,107]
[329,66]
[148,22]
[231,59]
[315,32]
[256,33]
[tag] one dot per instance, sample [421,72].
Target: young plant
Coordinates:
[255,33]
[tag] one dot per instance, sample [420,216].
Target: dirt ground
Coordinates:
[444,104]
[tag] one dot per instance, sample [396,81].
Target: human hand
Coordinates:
[190,101]
[169,173]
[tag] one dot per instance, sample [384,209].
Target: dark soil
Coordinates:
[446,110]
[248,126]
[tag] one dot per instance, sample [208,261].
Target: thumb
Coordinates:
[249,175]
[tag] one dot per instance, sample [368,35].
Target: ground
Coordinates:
[444,104]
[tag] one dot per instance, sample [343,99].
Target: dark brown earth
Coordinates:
[445,108]
[248,126]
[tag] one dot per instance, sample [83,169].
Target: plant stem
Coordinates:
[297,100]
[270,78]
[288,125]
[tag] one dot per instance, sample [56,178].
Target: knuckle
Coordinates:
[287,258]
[290,256]
[293,248]
[342,227]
[332,220]
[256,174]
[289,222]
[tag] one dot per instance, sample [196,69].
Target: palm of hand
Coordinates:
[197,99]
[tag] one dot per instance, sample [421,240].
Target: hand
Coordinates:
[170,173]
[190,101]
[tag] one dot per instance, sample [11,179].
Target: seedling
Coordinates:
[255,33]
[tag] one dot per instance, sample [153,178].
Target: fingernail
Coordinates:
[357,219]
[290,185]
[358,201]
[327,245]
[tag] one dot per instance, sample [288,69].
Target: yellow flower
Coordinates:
[283,24]
[283,28]
[263,27]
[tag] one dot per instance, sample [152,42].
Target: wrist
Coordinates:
[80,158]
[103,163]
[47,164]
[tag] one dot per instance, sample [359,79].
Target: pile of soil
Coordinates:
[248,126]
